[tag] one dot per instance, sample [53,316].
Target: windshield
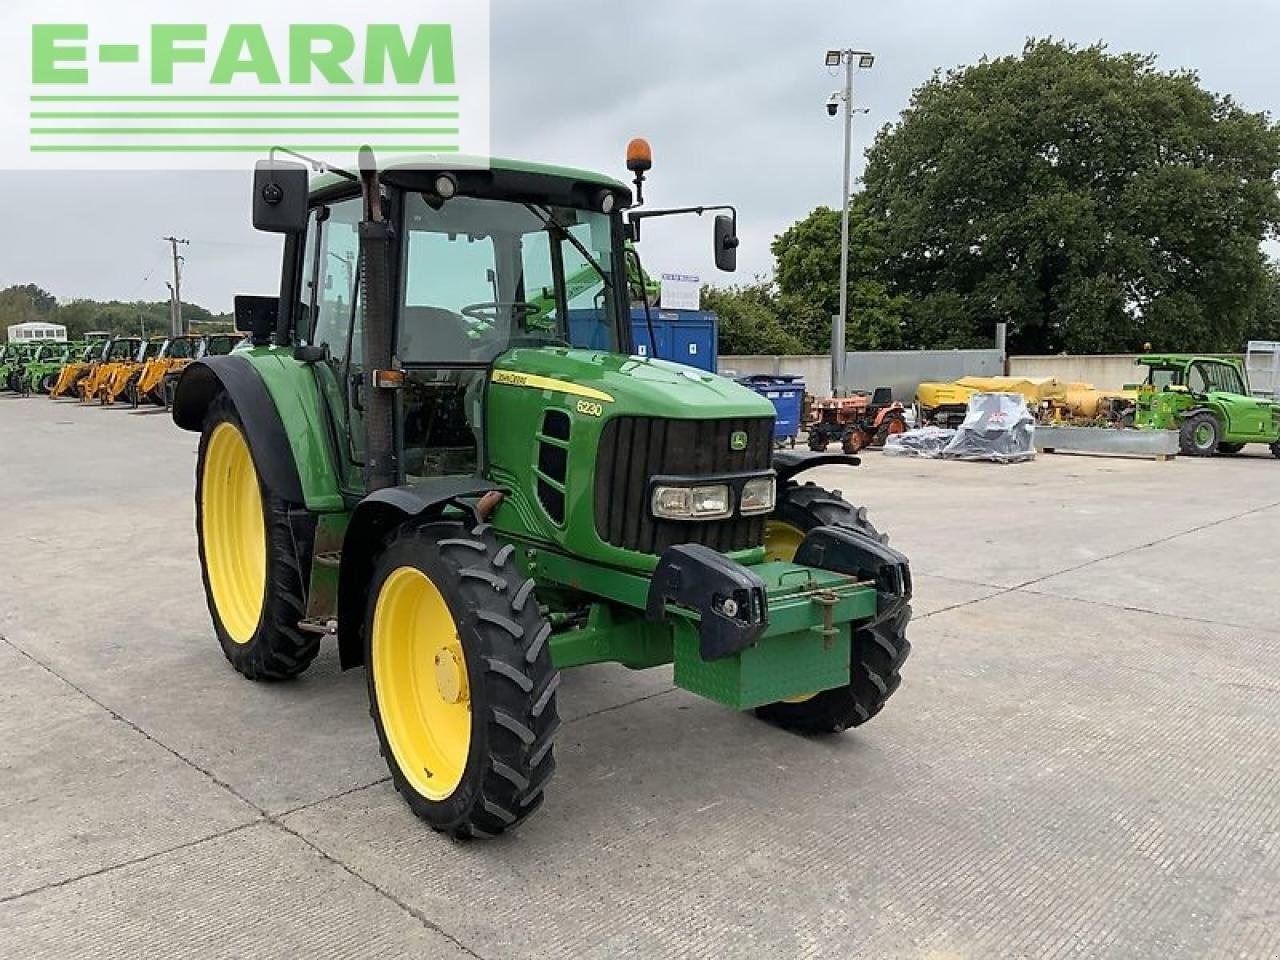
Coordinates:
[1216,378]
[482,276]
[123,350]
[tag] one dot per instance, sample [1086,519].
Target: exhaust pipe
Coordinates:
[378,381]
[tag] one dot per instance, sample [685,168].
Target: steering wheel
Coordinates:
[487,311]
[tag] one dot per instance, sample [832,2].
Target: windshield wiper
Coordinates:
[550,221]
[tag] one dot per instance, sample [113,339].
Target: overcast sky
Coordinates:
[730,94]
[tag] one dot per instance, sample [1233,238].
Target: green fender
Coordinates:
[284,417]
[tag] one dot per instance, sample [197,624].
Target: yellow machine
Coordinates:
[1050,399]
[71,374]
[118,350]
[174,354]
[156,381]
[945,404]
[125,373]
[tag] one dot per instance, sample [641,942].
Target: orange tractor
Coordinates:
[858,421]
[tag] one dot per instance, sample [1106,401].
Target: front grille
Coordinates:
[634,449]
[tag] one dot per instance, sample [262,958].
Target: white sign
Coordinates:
[681,291]
[184,84]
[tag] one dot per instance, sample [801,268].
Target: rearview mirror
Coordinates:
[726,244]
[280,197]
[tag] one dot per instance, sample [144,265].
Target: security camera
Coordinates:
[833,104]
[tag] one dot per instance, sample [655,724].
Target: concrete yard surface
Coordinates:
[1083,759]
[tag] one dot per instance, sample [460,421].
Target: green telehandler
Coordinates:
[419,458]
[1207,400]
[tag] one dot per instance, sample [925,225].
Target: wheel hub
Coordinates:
[451,677]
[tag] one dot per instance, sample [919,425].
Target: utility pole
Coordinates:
[173,310]
[851,60]
[176,287]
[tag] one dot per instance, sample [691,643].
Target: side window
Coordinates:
[330,277]
[1195,380]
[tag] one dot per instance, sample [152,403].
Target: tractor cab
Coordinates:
[1196,375]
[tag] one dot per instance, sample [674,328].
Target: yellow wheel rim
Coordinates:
[781,541]
[234,532]
[420,676]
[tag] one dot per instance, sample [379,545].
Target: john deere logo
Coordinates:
[738,440]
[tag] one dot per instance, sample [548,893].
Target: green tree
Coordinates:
[749,319]
[21,303]
[808,277]
[1087,199]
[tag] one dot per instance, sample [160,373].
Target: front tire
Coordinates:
[877,653]
[461,686]
[1199,435]
[255,555]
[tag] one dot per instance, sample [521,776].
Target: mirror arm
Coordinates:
[634,218]
[317,166]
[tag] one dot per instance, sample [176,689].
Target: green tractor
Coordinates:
[418,457]
[41,373]
[1207,400]
[12,355]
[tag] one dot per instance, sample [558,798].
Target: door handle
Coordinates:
[355,390]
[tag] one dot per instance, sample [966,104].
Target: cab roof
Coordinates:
[1181,360]
[437,161]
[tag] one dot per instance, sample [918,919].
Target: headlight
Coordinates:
[713,502]
[757,496]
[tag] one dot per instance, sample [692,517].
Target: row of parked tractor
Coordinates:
[108,369]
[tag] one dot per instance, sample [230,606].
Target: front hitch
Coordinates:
[731,601]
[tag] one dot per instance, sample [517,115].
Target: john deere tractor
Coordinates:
[418,458]
[1207,400]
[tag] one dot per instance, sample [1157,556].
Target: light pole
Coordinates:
[850,60]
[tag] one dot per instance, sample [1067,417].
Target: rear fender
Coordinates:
[286,426]
[372,522]
[199,386]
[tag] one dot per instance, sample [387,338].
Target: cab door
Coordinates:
[331,314]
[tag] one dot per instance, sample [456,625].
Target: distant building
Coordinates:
[35,330]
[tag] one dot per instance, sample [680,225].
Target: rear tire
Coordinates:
[893,423]
[255,600]
[480,768]
[47,382]
[1199,435]
[877,652]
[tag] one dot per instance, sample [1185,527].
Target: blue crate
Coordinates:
[786,393]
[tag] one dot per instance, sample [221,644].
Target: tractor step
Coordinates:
[323,627]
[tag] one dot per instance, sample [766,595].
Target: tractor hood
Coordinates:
[634,385]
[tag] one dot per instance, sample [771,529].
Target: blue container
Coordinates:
[684,336]
[786,393]
[690,337]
